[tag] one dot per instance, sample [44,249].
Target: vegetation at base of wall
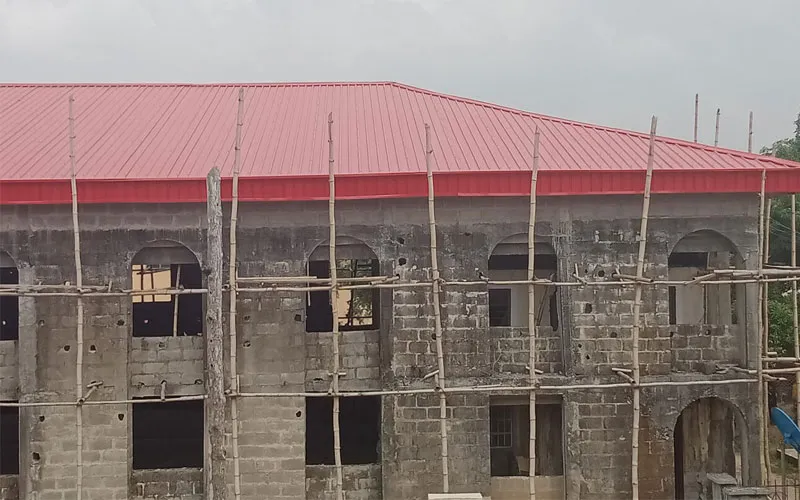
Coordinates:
[781,330]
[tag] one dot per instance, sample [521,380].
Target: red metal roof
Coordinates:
[157,142]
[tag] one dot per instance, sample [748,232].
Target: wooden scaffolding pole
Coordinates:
[750,134]
[176,299]
[795,325]
[532,327]
[437,313]
[337,438]
[716,129]
[79,323]
[637,310]
[765,305]
[696,113]
[234,371]
[762,348]
[215,403]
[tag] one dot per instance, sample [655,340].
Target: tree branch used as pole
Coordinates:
[215,405]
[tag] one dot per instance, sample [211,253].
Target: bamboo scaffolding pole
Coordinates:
[177,302]
[716,130]
[532,327]
[762,428]
[312,279]
[765,303]
[437,313]
[750,134]
[795,329]
[337,438]
[398,392]
[79,322]
[696,114]
[234,371]
[637,312]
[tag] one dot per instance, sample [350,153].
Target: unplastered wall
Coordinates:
[277,355]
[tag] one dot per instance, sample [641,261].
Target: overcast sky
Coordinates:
[612,62]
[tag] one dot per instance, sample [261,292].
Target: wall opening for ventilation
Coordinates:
[167,435]
[9,440]
[158,267]
[508,304]
[9,305]
[360,426]
[695,255]
[357,309]
[509,437]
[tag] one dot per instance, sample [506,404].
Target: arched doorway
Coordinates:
[709,438]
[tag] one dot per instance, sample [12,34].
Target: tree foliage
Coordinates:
[781,331]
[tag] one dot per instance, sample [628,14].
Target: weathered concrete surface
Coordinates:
[276,354]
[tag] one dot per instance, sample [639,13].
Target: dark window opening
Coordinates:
[155,315]
[357,309]
[500,307]
[9,305]
[9,440]
[509,439]
[168,435]
[360,428]
[688,259]
[508,305]
[673,312]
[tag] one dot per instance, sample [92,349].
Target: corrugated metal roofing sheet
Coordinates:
[130,138]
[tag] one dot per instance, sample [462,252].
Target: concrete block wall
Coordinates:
[277,355]
[9,380]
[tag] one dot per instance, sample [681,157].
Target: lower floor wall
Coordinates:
[583,448]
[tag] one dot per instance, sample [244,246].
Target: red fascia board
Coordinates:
[400,185]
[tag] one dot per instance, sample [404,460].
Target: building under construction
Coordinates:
[330,291]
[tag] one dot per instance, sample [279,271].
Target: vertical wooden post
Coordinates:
[532,327]
[637,310]
[794,307]
[750,134]
[215,402]
[716,130]
[337,438]
[79,323]
[176,299]
[765,305]
[232,275]
[437,313]
[764,448]
[696,114]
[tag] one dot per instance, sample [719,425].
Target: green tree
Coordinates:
[781,334]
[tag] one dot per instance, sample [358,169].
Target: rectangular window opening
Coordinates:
[508,304]
[9,440]
[168,435]
[155,315]
[357,309]
[9,305]
[360,428]
[509,439]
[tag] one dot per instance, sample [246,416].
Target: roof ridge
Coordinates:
[576,123]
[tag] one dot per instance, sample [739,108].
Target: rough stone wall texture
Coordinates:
[181,484]
[361,482]
[9,380]
[9,487]
[275,354]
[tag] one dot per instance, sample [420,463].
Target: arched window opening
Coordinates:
[695,255]
[709,438]
[357,309]
[158,267]
[9,304]
[508,304]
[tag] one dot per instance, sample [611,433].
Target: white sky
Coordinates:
[612,62]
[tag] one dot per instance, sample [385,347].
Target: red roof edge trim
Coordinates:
[400,185]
